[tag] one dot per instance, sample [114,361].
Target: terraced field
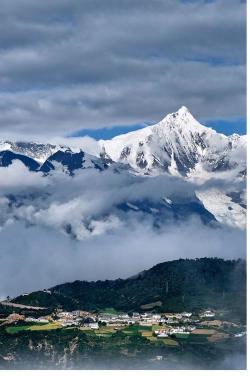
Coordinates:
[198,336]
[20,328]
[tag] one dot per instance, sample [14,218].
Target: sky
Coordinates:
[101,68]
[106,67]
[225,126]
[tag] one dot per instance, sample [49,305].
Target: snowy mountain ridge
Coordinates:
[177,145]
[37,151]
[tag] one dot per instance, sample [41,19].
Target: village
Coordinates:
[151,325]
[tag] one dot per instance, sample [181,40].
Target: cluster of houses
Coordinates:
[94,320]
[169,331]
[69,318]
[179,325]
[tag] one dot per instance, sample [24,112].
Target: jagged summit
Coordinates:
[38,151]
[183,109]
[183,113]
[182,118]
[177,145]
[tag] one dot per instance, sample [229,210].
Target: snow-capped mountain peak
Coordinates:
[177,145]
[182,119]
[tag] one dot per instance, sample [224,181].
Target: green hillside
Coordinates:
[170,286]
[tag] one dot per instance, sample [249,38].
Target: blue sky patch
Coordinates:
[227,127]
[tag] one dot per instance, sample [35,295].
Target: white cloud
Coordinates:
[38,257]
[60,228]
[88,144]
[17,177]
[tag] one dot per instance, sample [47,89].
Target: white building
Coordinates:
[31,319]
[66,315]
[162,335]
[76,313]
[178,330]
[136,315]
[207,313]
[156,317]
[47,291]
[124,316]
[186,314]
[68,322]
[39,320]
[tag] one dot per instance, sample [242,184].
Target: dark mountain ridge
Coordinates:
[184,284]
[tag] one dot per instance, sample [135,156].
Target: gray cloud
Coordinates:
[88,202]
[66,66]
[111,255]
[104,242]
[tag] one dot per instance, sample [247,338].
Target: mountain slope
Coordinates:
[37,151]
[7,157]
[179,145]
[70,161]
[177,285]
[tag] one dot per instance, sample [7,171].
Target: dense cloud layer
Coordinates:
[26,266]
[39,215]
[87,202]
[69,65]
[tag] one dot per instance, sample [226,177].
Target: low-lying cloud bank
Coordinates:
[87,203]
[89,199]
[57,228]
[36,257]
